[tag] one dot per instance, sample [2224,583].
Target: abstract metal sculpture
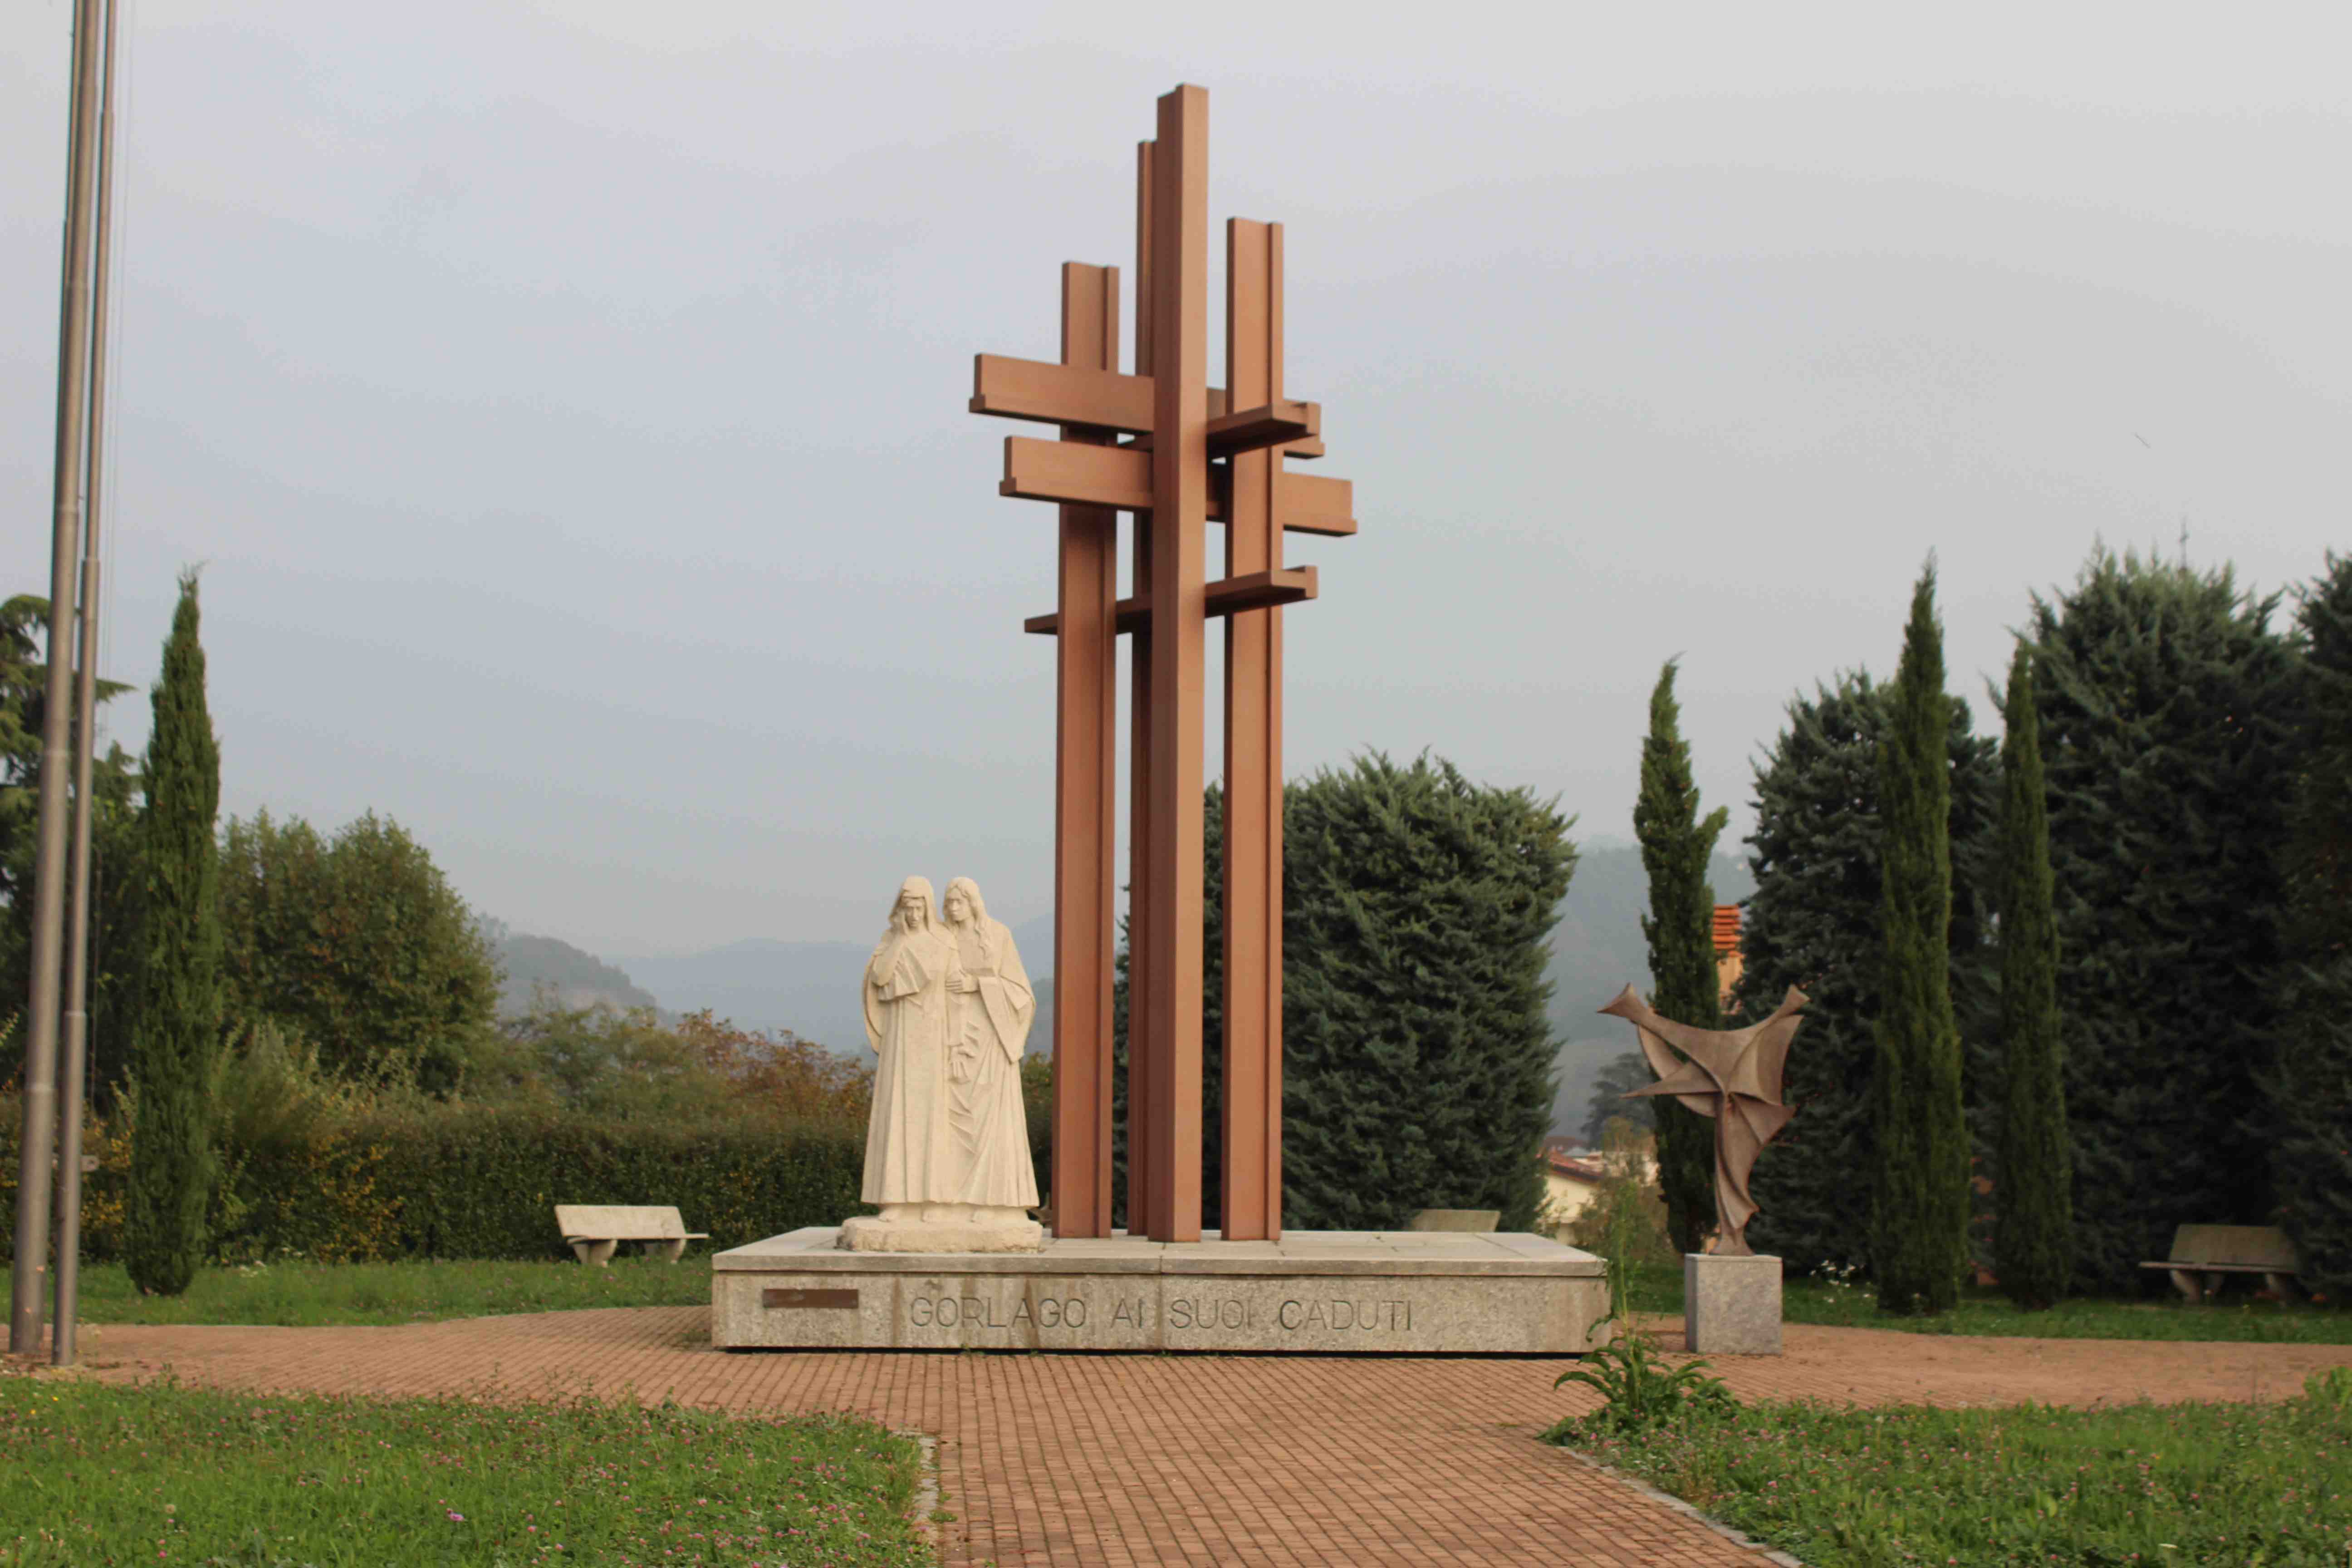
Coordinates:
[1177,453]
[1730,1075]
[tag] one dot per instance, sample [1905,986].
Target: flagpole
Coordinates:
[73,1064]
[40,1140]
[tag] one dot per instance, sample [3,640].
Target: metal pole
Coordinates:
[40,1142]
[73,1062]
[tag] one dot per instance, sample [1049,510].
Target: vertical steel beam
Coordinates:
[1139,814]
[1180,515]
[74,1058]
[38,1144]
[1251,1167]
[1086,798]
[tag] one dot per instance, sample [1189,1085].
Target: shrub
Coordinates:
[358,943]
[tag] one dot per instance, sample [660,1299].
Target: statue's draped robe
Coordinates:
[988,1031]
[907,1023]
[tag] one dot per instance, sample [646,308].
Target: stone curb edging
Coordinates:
[1688,1510]
[926,1488]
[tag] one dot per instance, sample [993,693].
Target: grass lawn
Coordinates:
[2238,1484]
[1658,1287]
[409,1292]
[93,1474]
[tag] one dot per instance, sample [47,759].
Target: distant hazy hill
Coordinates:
[808,987]
[811,987]
[1596,952]
[573,978]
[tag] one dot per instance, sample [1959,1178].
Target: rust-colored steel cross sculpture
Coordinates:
[1731,1075]
[1177,453]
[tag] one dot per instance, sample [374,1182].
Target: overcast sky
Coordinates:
[567,402]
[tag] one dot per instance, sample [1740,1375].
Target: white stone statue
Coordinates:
[989,1006]
[906,1025]
[947,1009]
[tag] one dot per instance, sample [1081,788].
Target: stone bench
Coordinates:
[593,1230]
[2201,1254]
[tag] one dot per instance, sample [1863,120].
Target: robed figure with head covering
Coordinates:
[906,1025]
[990,1008]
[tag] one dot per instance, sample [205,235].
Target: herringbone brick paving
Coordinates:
[1127,1461]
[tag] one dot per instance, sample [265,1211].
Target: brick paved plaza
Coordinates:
[1164,1460]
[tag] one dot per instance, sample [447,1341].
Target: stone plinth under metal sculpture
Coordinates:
[1731,1294]
[1419,1292]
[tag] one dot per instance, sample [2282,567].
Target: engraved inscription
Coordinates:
[781,1298]
[1200,1314]
[1344,1314]
[973,1312]
[1194,1314]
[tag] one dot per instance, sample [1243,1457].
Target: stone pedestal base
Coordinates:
[1421,1293]
[1731,1306]
[945,1227]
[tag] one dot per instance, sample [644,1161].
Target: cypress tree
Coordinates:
[2034,1183]
[1813,922]
[2310,1093]
[2166,700]
[177,1033]
[1919,1209]
[1676,848]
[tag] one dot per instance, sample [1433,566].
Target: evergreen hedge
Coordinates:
[2310,1092]
[481,1181]
[2165,699]
[1418,908]
[1417,914]
[1814,922]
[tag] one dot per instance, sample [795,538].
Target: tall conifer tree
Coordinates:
[2310,1093]
[1919,1213]
[1813,922]
[2168,727]
[178,1029]
[2034,1235]
[1677,847]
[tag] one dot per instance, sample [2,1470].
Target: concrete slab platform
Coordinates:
[1314,1292]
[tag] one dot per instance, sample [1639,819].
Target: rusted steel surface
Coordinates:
[1176,454]
[1086,801]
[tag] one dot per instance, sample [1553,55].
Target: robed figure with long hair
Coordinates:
[990,1008]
